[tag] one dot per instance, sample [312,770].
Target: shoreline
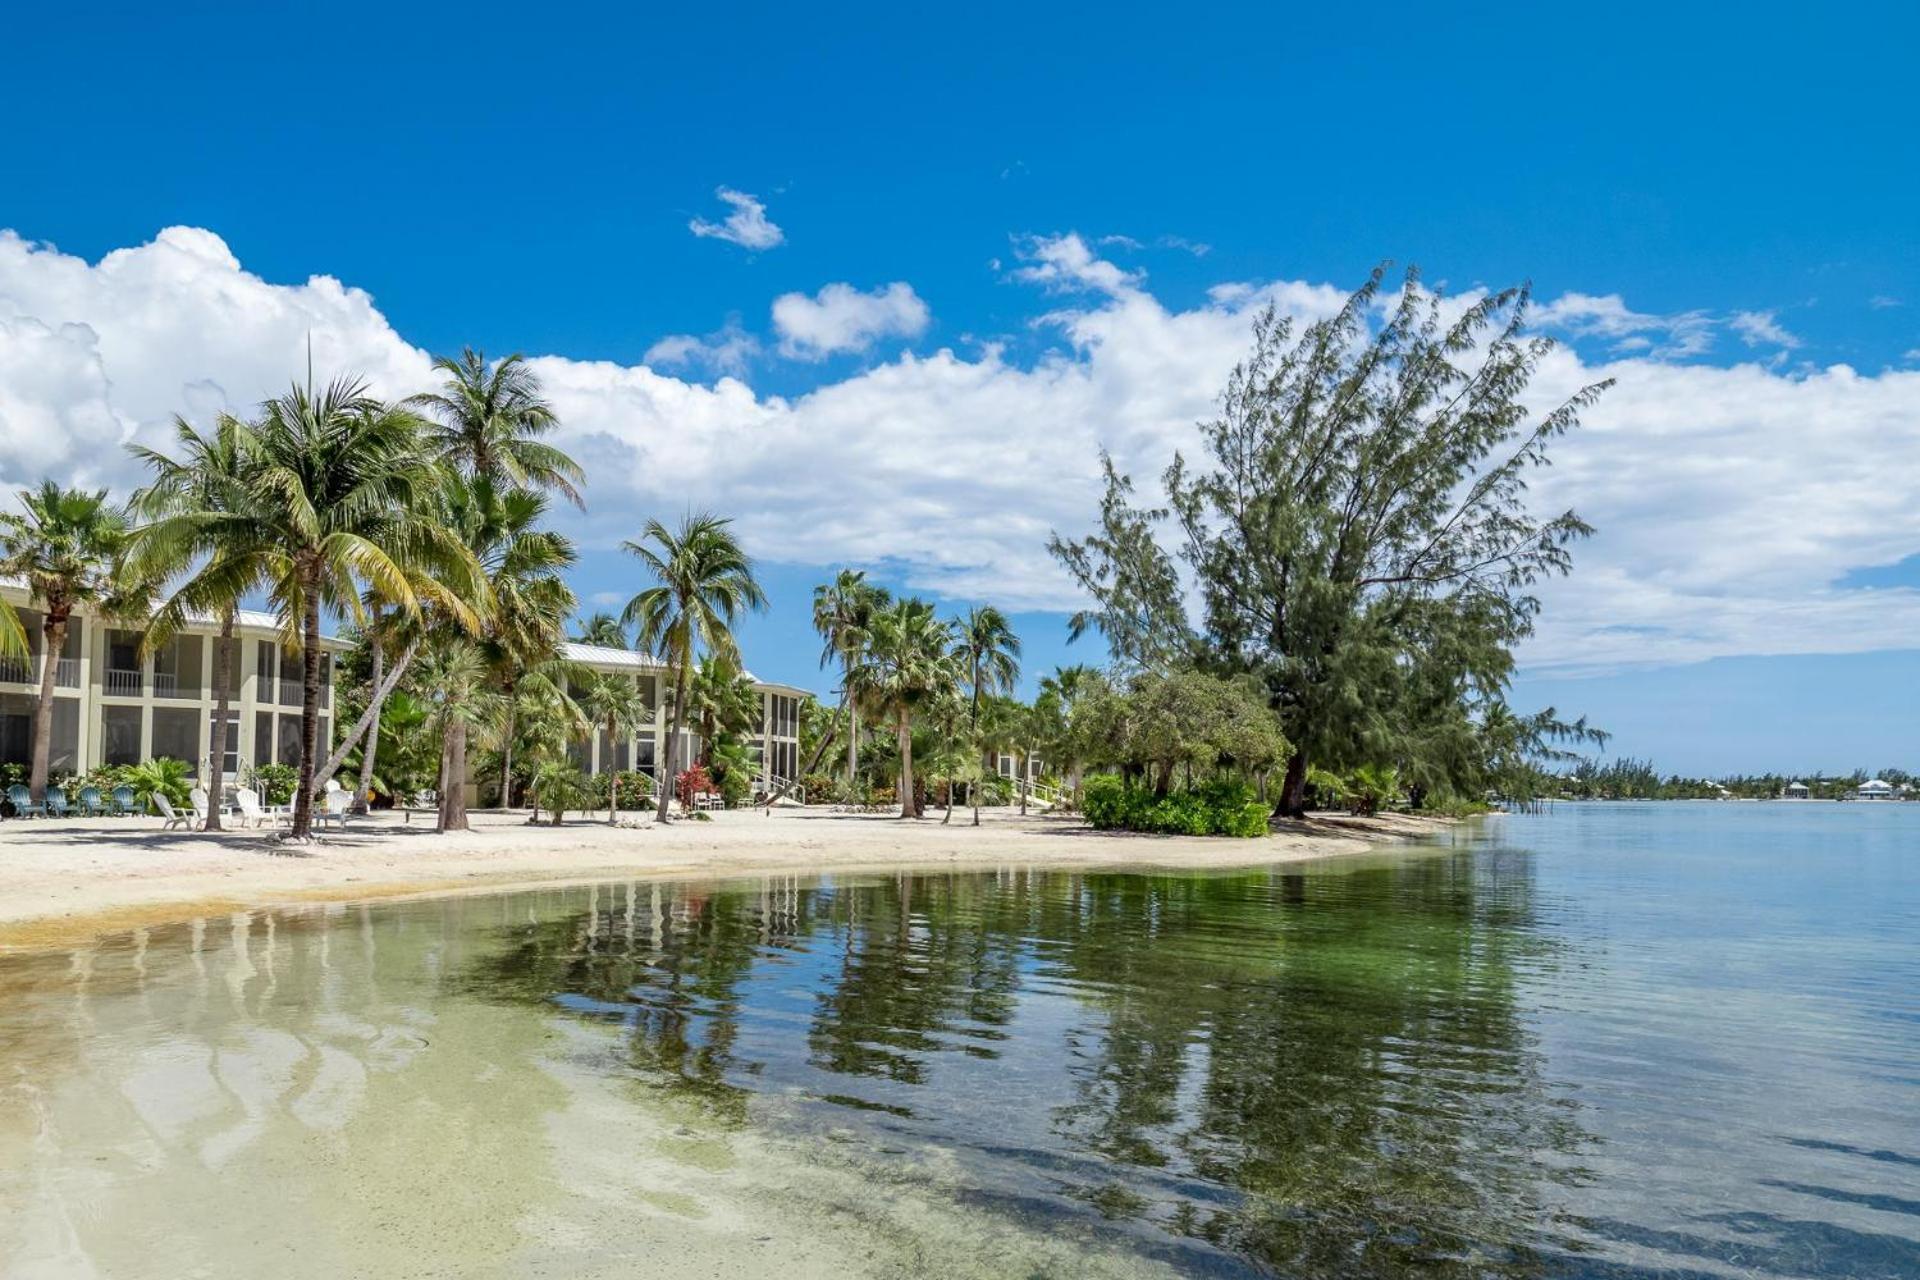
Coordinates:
[66,881]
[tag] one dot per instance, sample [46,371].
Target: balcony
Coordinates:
[17,670]
[121,683]
[66,673]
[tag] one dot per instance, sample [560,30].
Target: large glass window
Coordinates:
[63,754]
[287,747]
[16,728]
[120,734]
[176,734]
[262,738]
[176,668]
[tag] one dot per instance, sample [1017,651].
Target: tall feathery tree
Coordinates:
[720,699]
[612,702]
[602,629]
[522,563]
[65,545]
[1358,527]
[910,656]
[491,423]
[989,652]
[705,582]
[345,500]
[185,501]
[842,612]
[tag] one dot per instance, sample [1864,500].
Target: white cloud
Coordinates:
[747,226]
[728,349]
[1881,301]
[841,318]
[1728,500]
[1067,263]
[1761,328]
[1584,315]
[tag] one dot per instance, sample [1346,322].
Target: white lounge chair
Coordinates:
[334,806]
[250,810]
[172,819]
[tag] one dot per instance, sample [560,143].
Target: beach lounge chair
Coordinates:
[199,798]
[57,802]
[91,805]
[165,806]
[22,801]
[123,802]
[250,810]
[334,805]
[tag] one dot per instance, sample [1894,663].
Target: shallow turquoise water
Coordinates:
[1608,1041]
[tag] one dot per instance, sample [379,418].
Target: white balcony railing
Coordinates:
[16,670]
[66,673]
[122,684]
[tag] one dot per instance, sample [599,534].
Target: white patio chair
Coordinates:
[172,819]
[250,810]
[334,805]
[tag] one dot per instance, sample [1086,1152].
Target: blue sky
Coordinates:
[1717,209]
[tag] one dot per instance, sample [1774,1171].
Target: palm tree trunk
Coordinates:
[506,756]
[309,714]
[360,801]
[1293,791]
[973,788]
[453,792]
[677,722]
[947,817]
[853,732]
[613,782]
[366,723]
[53,639]
[907,807]
[217,744]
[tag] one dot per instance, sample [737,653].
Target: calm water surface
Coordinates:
[1612,1041]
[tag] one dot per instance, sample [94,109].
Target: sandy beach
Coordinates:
[65,880]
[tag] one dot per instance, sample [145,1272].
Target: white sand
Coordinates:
[62,880]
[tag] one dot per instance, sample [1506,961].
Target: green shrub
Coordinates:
[274,782]
[1212,809]
[736,789]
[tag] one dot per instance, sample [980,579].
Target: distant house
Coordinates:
[1797,791]
[1874,789]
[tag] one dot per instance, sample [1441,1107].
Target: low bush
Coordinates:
[1212,809]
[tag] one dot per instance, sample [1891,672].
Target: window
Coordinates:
[120,733]
[176,734]
[614,755]
[287,745]
[262,738]
[16,728]
[230,763]
[123,664]
[645,760]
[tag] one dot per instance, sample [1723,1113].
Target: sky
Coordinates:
[881,282]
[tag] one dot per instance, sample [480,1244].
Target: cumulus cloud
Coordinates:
[842,318]
[747,226]
[1067,263]
[1762,328]
[1729,501]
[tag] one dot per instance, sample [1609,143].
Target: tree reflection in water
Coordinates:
[1317,1074]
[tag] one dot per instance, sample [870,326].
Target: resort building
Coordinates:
[774,743]
[113,706]
[1875,789]
[1797,791]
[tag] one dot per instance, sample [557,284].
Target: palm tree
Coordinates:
[65,545]
[842,611]
[1068,687]
[604,630]
[907,662]
[720,699]
[343,501]
[613,702]
[990,652]
[705,582]
[455,681]
[489,424]
[522,564]
[208,478]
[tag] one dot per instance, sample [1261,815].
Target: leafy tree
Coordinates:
[604,630]
[989,653]
[1358,526]
[843,614]
[344,501]
[452,679]
[489,424]
[908,660]
[209,476]
[613,702]
[64,544]
[705,582]
[721,700]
